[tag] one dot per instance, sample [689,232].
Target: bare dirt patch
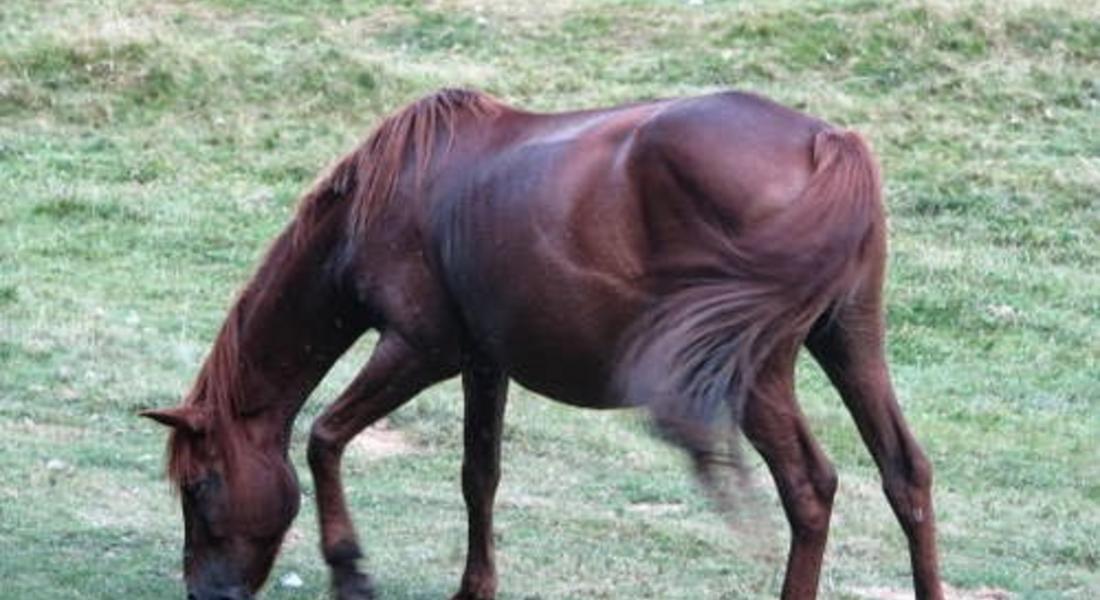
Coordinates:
[380,441]
[952,593]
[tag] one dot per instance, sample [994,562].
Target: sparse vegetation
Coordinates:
[148,151]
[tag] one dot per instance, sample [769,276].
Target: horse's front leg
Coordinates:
[485,387]
[393,375]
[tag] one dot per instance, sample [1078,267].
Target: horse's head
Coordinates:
[239,496]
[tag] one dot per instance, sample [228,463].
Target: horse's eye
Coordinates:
[197,489]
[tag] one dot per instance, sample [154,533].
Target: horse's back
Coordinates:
[541,247]
[549,239]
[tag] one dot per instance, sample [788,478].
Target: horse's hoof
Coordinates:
[352,586]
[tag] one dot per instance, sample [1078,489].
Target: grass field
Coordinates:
[148,151]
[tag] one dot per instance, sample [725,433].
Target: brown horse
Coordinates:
[673,254]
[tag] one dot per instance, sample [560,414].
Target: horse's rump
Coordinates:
[745,297]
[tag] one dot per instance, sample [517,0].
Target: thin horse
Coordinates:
[673,255]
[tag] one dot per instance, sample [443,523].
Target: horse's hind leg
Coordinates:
[850,348]
[393,375]
[486,388]
[806,480]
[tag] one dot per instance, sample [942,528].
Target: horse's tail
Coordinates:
[700,348]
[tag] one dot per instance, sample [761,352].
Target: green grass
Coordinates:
[148,151]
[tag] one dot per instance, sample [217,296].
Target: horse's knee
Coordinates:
[322,447]
[479,480]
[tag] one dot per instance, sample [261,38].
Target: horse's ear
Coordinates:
[179,417]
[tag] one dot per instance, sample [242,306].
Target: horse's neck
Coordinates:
[294,323]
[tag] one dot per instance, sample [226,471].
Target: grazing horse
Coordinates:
[673,255]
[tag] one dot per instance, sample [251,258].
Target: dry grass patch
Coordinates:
[380,441]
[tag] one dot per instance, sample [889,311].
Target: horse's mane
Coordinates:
[216,394]
[367,177]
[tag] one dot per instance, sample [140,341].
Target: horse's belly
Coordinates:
[561,364]
[543,259]
[556,327]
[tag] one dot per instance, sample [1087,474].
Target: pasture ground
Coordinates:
[149,150]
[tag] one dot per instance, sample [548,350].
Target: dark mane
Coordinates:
[217,393]
[367,177]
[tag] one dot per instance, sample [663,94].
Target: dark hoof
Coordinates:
[352,585]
